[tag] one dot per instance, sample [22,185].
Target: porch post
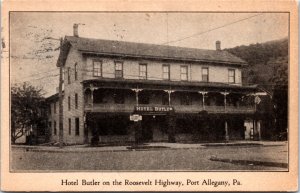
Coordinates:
[258,129]
[225,94]
[226,131]
[137,124]
[169,94]
[137,90]
[85,128]
[95,129]
[171,120]
[137,132]
[92,94]
[203,98]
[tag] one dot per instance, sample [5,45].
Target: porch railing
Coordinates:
[128,108]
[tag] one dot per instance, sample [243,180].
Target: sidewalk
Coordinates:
[146,146]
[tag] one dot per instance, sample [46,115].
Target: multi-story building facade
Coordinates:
[178,93]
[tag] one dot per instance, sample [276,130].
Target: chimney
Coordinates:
[75,30]
[218,45]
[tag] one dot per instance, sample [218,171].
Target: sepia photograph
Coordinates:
[149,91]
[149,96]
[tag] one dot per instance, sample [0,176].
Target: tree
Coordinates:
[268,67]
[280,94]
[26,111]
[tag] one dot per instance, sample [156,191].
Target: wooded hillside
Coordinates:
[268,67]
[268,63]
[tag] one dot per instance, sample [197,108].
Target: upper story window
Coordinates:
[143,71]
[185,99]
[54,107]
[76,101]
[144,98]
[184,73]
[118,69]
[54,129]
[49,109]
[76,71]
[165,99]
[70,126]
[99,96]
[76,126]
[97,68]
[119,97]
[63,74]
[205,74]
[69,103]
[231,75]
[69,75]
[166,72]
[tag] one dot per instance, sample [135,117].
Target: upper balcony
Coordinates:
[129,108]
[125,101]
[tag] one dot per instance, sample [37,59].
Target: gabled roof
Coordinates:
[52,98]
[142,50]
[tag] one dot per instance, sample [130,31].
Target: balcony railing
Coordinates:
[128,108]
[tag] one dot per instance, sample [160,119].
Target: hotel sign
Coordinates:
[153,109]
[135,118]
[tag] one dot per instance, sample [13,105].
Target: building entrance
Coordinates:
[154,128]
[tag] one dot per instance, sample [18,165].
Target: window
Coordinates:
[54,129]
[49,109]
[166,72]
[70,126]
[185,99]
[50,125]
[165,99]
[184,73]
[63,74]
[76,101]
[143,71]
[77,126]
[69,103]
[76,71]
[118,69]
[231,76]
[144,98]
[54,106]
[69,75]
[205,74]
[119,97]
[99,96]
[97,68]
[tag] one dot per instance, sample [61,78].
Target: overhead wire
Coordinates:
[168,42]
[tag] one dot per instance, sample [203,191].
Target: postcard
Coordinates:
[149,96]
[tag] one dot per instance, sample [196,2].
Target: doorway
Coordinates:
[154,128]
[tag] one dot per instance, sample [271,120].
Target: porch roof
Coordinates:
[165,84]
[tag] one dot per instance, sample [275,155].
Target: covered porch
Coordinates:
[201,113]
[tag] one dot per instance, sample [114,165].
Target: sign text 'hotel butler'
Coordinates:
[153,109]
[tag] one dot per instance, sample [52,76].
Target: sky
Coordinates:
[33,58]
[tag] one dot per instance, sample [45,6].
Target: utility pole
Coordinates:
[60,96]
